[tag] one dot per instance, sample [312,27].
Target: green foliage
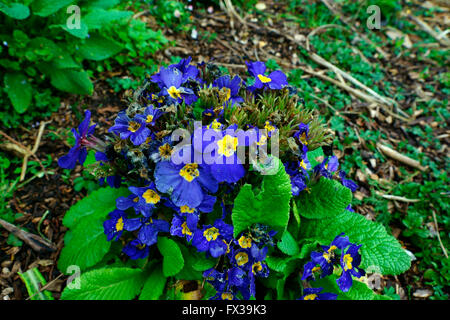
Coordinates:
[107,284]
[85,243]
[34,281]
[326,199]
[154,285]
[270,206]
[173,260]
[358,291]
[380,251]
[44,49]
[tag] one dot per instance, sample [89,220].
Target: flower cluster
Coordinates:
[179,174]
[323,262]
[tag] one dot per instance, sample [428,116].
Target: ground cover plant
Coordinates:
[381,93]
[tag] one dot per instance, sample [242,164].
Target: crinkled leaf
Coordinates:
[380,251]
[327,198]
[269,207]
[288,245]
[85,246]
[72,81]
[315,157]
[173,260]
[154,285]
[107,284]
[99,18]
[96,205]
[358,291]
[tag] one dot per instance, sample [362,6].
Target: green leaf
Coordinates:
[201,262]
[98,18]
[380,251]
[34,281]
[19,91]
[98,48]
[72,81]
[358,291]
[97,205]
[15,10]
[269,207]
[107,284]
[327,198]
[44,8]
[288,245]
[315,157]
[104,4]
[81,33]
[173,260]
[154,285]
[64,61]
[85,246]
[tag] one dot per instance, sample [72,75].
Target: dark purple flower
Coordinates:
[350,261]
[170,81]
[231,89]
[347,182]
[83,139]
[136,250]
[113,227]
[275,80]
[213,239]
[148,229]
[314,294]
[133,128]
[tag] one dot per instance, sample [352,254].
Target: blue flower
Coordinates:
[314,294]
[186,183]
[213,239]
[275,80]
[347,182]
[114,181]
[113,227]
[133,128]
[182,227]
[327,258]
[151,114]
[170,81]
[161,150]
[302,134]
[142,199]
[224,161]
[231,89]
[148,229]
[350,261]
[189,71]
[328,166]
[136,250]
[79,152]
[309,270]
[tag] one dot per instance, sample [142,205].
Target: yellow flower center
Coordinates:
[327,255]
[119,224]
[211,233]
[165,151]
[311,297]
[190,171]
[227,92]
[151,196]
[257,267]
[227,296]
[315,269]
[174,92]
[303,138]
[185,229]
[269,127]
[241,258]
[227,145]
[149,118]
[214,125]
[348,262]
[136,199]
[245,242]
[186,209]
[303,164]
[263,78]
[134,126]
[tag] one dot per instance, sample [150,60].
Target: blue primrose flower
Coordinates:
[136,250]
[148,229]
[275,80]
[213,239]
[142,200]
[113,227]
[79,152]
[231,89]
[134,128]
[170,81]
[302,134]
[347,182]
[350,261]
[328,166]
[151,114]
[187,183]
[189,71]
[327,258]
[314,294]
